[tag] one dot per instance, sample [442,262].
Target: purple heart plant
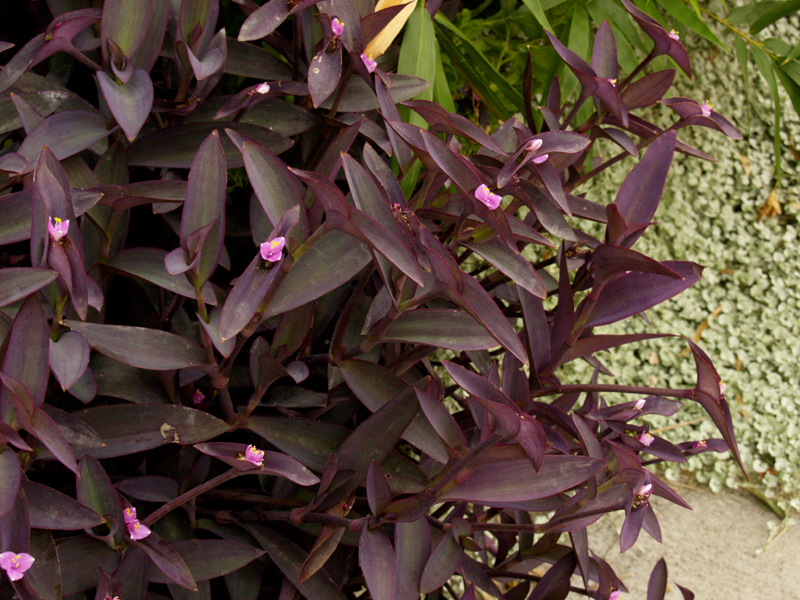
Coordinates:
[300,346]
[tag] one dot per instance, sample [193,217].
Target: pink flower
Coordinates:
[198,397]
[368,62]
[700,444]
[262,88]
[138,531]
[615,595]
[337,26]
[612,82]
[129,515]
[254,455]
[721,387]
[705,108]
[273,250]
[491,200]
[673,35]
[57,228]
[15,565]
[646,439]
[639,404]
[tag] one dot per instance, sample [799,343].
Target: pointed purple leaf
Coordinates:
[377,560]
[412,542]
[168,561]
[50,509]
[441,565]
[604,52]
[657,585]
[504,474]
[264,21]
[374,386]
[324,73]
[637,292]
[647,90]
[442,328]
[69,357]
[11,476]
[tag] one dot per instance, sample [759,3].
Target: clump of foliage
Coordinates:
[239,270]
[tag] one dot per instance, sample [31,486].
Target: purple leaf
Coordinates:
[94,490]
[26,356]
[69,357]
[664,44]
[207,559]
[176,147]
[17,283]
[374,386]
[168,561]
[647,90]
[324,73]
[148,264]
[412,542]
[289,558]
[79,559]
[637,292]
[205,205]
[554,585]
[264,21]
[657,585]
[441,564]
[377,560]
[246,296]
[442,328]
[598,343]
[431,402]
[512,263]
[504,474]
[11,476]
[150,488]
[141,347]
[274,463]
[276,188]
[125,22]
[378,492]
[129,428]
[330,259]
[708,393]
[358,97]
[604,53]
[640,193]
[21,61]
[130,103]
[64,133]
[50,509]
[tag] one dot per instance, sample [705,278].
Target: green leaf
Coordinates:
[535,6]
[767,13]
[765,65]
[416,58]
[478,71]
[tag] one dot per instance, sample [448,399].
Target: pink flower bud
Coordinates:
[368,62]
[639,404]
[533,145]
[615,595]
[15,565]
[198,397]
[540,159]
[337,27]
[57,228]
[491,200]
[273,250]
[262,88]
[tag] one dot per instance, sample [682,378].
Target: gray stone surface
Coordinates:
[718,550]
